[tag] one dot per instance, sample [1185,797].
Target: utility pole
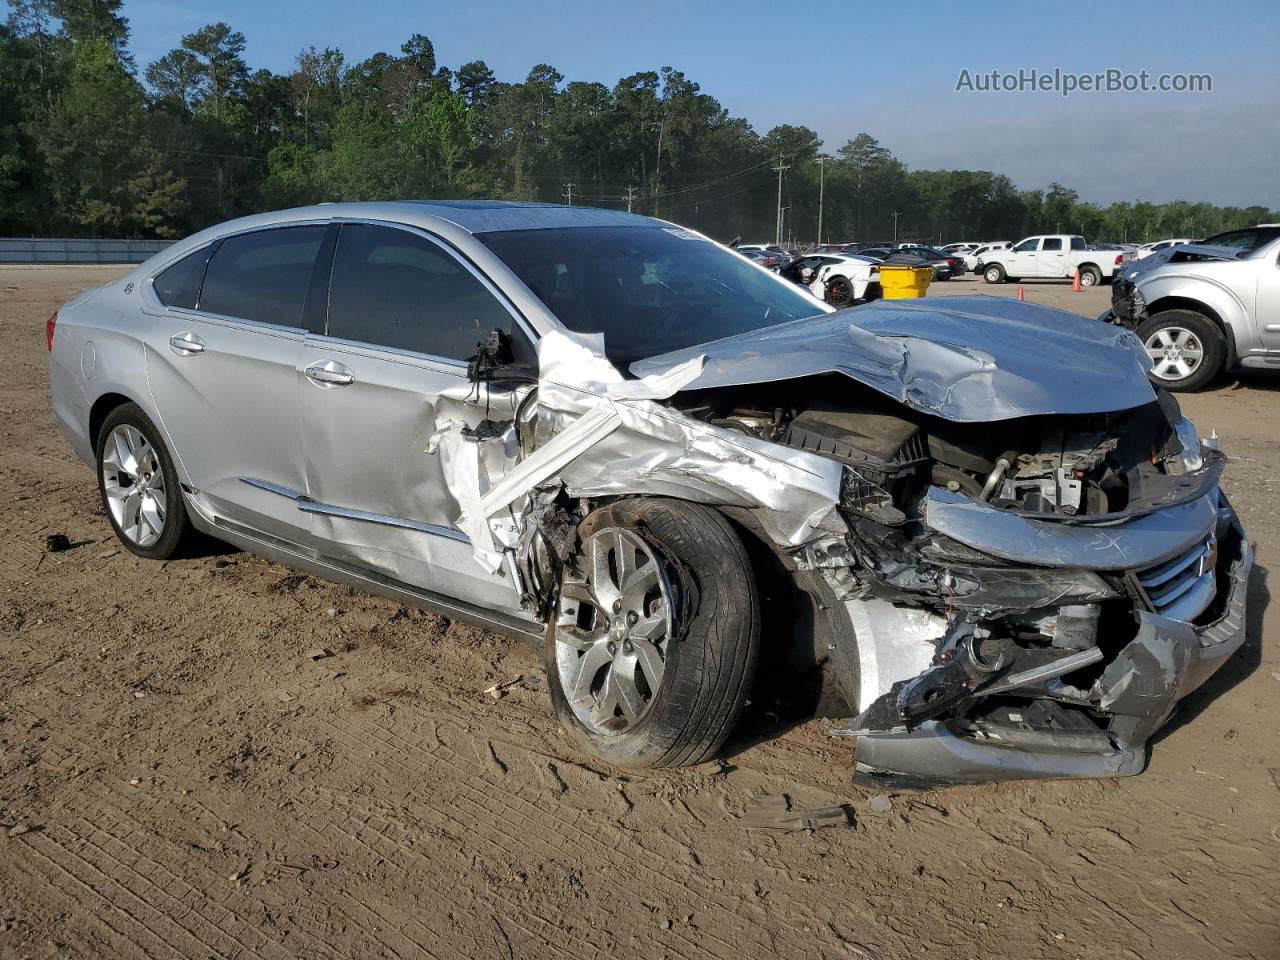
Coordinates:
[631,195]
[777,234]
[896,215]
[822,169]
[568,193]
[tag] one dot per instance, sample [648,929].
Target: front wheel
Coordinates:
[139,485]
[1187,350]
[994,273]
[652,647]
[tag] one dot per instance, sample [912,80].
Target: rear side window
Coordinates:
[179,285]
[395,289]
[262,276]
[1077,243]
[1052,243]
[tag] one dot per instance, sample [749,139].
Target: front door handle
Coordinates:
[186,344]
[330,373]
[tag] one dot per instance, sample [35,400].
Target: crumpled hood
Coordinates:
[1176,254]
[968,359]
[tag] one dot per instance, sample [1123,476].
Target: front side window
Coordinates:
[1052,243]
[649,290]
[1027,246]
[262,276]
[179,285]
[392,288]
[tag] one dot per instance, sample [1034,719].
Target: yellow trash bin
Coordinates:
[898,281]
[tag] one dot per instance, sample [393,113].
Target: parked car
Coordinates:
[1057,255]
[1147,249]
[1200,309]
[969,525]
[972,261]
[851,279]
[959,249]
[945,265]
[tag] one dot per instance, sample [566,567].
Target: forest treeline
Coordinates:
[93,143]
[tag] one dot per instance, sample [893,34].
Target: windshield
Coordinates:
[649,290]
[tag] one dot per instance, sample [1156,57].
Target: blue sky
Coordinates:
[842,68]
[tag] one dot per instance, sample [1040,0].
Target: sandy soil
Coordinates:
[179,779]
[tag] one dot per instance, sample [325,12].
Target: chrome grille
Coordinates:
[1183,586]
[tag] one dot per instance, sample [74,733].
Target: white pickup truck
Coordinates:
[1055,255]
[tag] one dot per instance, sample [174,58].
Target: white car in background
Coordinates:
[1149,248]
[960,248]
[845,279]
[973,259]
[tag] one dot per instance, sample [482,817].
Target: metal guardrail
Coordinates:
[66,250]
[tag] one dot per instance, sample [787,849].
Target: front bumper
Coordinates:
[1136,694]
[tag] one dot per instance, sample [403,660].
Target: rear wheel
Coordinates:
[1187,350]
[993,273]
[139,485]
[839,291]
[652,648]
[1090,276]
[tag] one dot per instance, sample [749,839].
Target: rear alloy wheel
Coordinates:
[139,485]
[839,292]
[652,647]
[1187,351]
[993,273]
[1090,277]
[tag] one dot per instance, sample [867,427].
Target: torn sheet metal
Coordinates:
[658,451]
[601,434]
[968,359]
[895,643]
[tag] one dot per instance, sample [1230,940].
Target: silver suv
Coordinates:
[968,527]
[1201,309]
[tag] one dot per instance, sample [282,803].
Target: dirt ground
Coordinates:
[179,779]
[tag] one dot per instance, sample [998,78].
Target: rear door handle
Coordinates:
[186,344]
[330,373]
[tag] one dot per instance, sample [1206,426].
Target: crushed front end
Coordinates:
[1031,598]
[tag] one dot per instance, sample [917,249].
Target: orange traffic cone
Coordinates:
[1075,284]
[1021,295]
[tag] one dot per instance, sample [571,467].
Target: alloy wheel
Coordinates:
[1176,353]
[134,484]
[613,631]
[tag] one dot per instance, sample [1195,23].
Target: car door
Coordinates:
[1267,304]
[1051,258]
[1021,260]
[223,371]
[404,315]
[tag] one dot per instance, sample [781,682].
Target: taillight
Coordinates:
[1119,259]
[49,325]
[951,261]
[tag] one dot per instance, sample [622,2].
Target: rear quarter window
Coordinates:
[178,285]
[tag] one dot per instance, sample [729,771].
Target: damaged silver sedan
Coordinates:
[968,528]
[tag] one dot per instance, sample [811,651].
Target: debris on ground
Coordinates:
[775,813]
[499,690]
[57,542]
[319,653]
[881,803]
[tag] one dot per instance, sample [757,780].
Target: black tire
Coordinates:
[1203,333]
[710,657]
[994,273]
[1090,276]
[176,527]
[839,292]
